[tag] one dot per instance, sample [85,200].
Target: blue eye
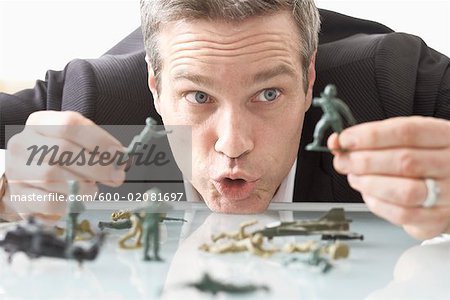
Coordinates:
[197,97]
[269,95]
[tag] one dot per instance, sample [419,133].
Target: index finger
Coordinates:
[414,132]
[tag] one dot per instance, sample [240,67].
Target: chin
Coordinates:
[251,205]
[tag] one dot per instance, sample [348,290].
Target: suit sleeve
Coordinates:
[46,95]
[432,91]
[412,78]
[443,96]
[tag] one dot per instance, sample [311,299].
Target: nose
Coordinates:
[234,133]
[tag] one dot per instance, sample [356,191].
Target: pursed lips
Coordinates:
[235,186]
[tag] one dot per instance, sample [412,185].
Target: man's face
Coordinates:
[240,86]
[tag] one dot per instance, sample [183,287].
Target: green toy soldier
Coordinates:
[140,141]
[151,217]
[333,111]
[150,225]
[212,286]
[146,135]
[74,209]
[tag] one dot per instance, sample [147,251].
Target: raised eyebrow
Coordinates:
[195,78]
[274,72]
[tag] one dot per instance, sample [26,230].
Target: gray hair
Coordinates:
[155,13]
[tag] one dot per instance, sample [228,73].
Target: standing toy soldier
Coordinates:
[333,111]
[74,209]
[151,217]
[144,223]
[150,225]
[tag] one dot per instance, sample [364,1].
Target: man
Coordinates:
[241,74]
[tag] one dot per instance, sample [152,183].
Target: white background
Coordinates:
[39,35]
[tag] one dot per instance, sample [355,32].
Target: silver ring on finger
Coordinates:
[432,193]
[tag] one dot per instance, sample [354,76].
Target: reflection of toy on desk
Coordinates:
[334,110]
[35,240]
[212,286]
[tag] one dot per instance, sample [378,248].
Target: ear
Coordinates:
[152,85]
[311,79]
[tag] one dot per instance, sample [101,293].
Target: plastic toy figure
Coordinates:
[238,235]
[332,226]
[121,224]
[135,230]
[121,220]
[144,224]
[150,225]
[83,231]
[334,109]
[151,216]
[334,250]
[304,247]
[74,210]
[252,244]
[315,259]
[137,143]
[337,250]
[209,285]
[35,241]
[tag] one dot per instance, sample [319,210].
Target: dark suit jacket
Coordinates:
[379,73]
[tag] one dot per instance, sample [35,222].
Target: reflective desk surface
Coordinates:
[388,264]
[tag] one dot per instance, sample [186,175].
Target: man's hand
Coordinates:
[388,162]
[71,132]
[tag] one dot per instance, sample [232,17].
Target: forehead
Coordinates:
[223,42]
